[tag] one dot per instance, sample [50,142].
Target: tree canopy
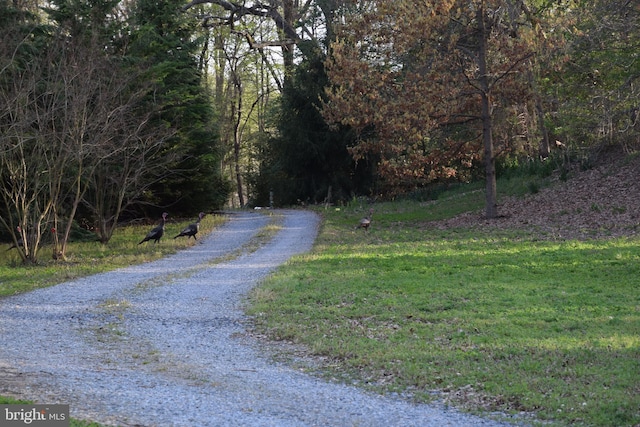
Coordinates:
[111,110]
[100,116]
[424,86]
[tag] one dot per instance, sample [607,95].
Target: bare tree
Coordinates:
[73,130]
[25,146]
[120,143]
[89,102]
[293,24]
[127,171]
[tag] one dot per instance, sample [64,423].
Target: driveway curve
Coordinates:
[165,343]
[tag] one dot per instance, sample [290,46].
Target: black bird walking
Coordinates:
[366,221]
[192,229]
[156,232]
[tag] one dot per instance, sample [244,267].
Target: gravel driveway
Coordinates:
[165,344]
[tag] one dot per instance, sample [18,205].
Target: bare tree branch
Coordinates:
[238,11]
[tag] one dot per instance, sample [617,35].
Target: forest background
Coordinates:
[114,110]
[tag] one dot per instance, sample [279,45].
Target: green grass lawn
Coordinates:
[484,320]
[91,257]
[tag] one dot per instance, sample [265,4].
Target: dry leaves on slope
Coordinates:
[598,203]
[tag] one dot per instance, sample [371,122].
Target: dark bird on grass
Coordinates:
[192,229]
[366,221]
[20,241]
[156,232]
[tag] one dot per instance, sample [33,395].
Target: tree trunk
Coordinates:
[61,252]
[491,200]
[491,203]
[236,151]
[220,62]
[544,132]
[237,137]
[287,48]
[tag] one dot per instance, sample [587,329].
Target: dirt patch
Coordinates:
[601,202]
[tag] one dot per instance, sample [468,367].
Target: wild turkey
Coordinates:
[366,221]
[192,229]
[156,232]
[20,241]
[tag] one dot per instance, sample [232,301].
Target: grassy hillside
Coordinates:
[486,316]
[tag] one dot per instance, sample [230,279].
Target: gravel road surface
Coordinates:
[165,344]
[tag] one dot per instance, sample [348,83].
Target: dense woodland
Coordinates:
[113,110]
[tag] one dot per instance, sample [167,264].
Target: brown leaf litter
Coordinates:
[601,202]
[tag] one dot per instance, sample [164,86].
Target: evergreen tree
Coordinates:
[164,39]
[309,162]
